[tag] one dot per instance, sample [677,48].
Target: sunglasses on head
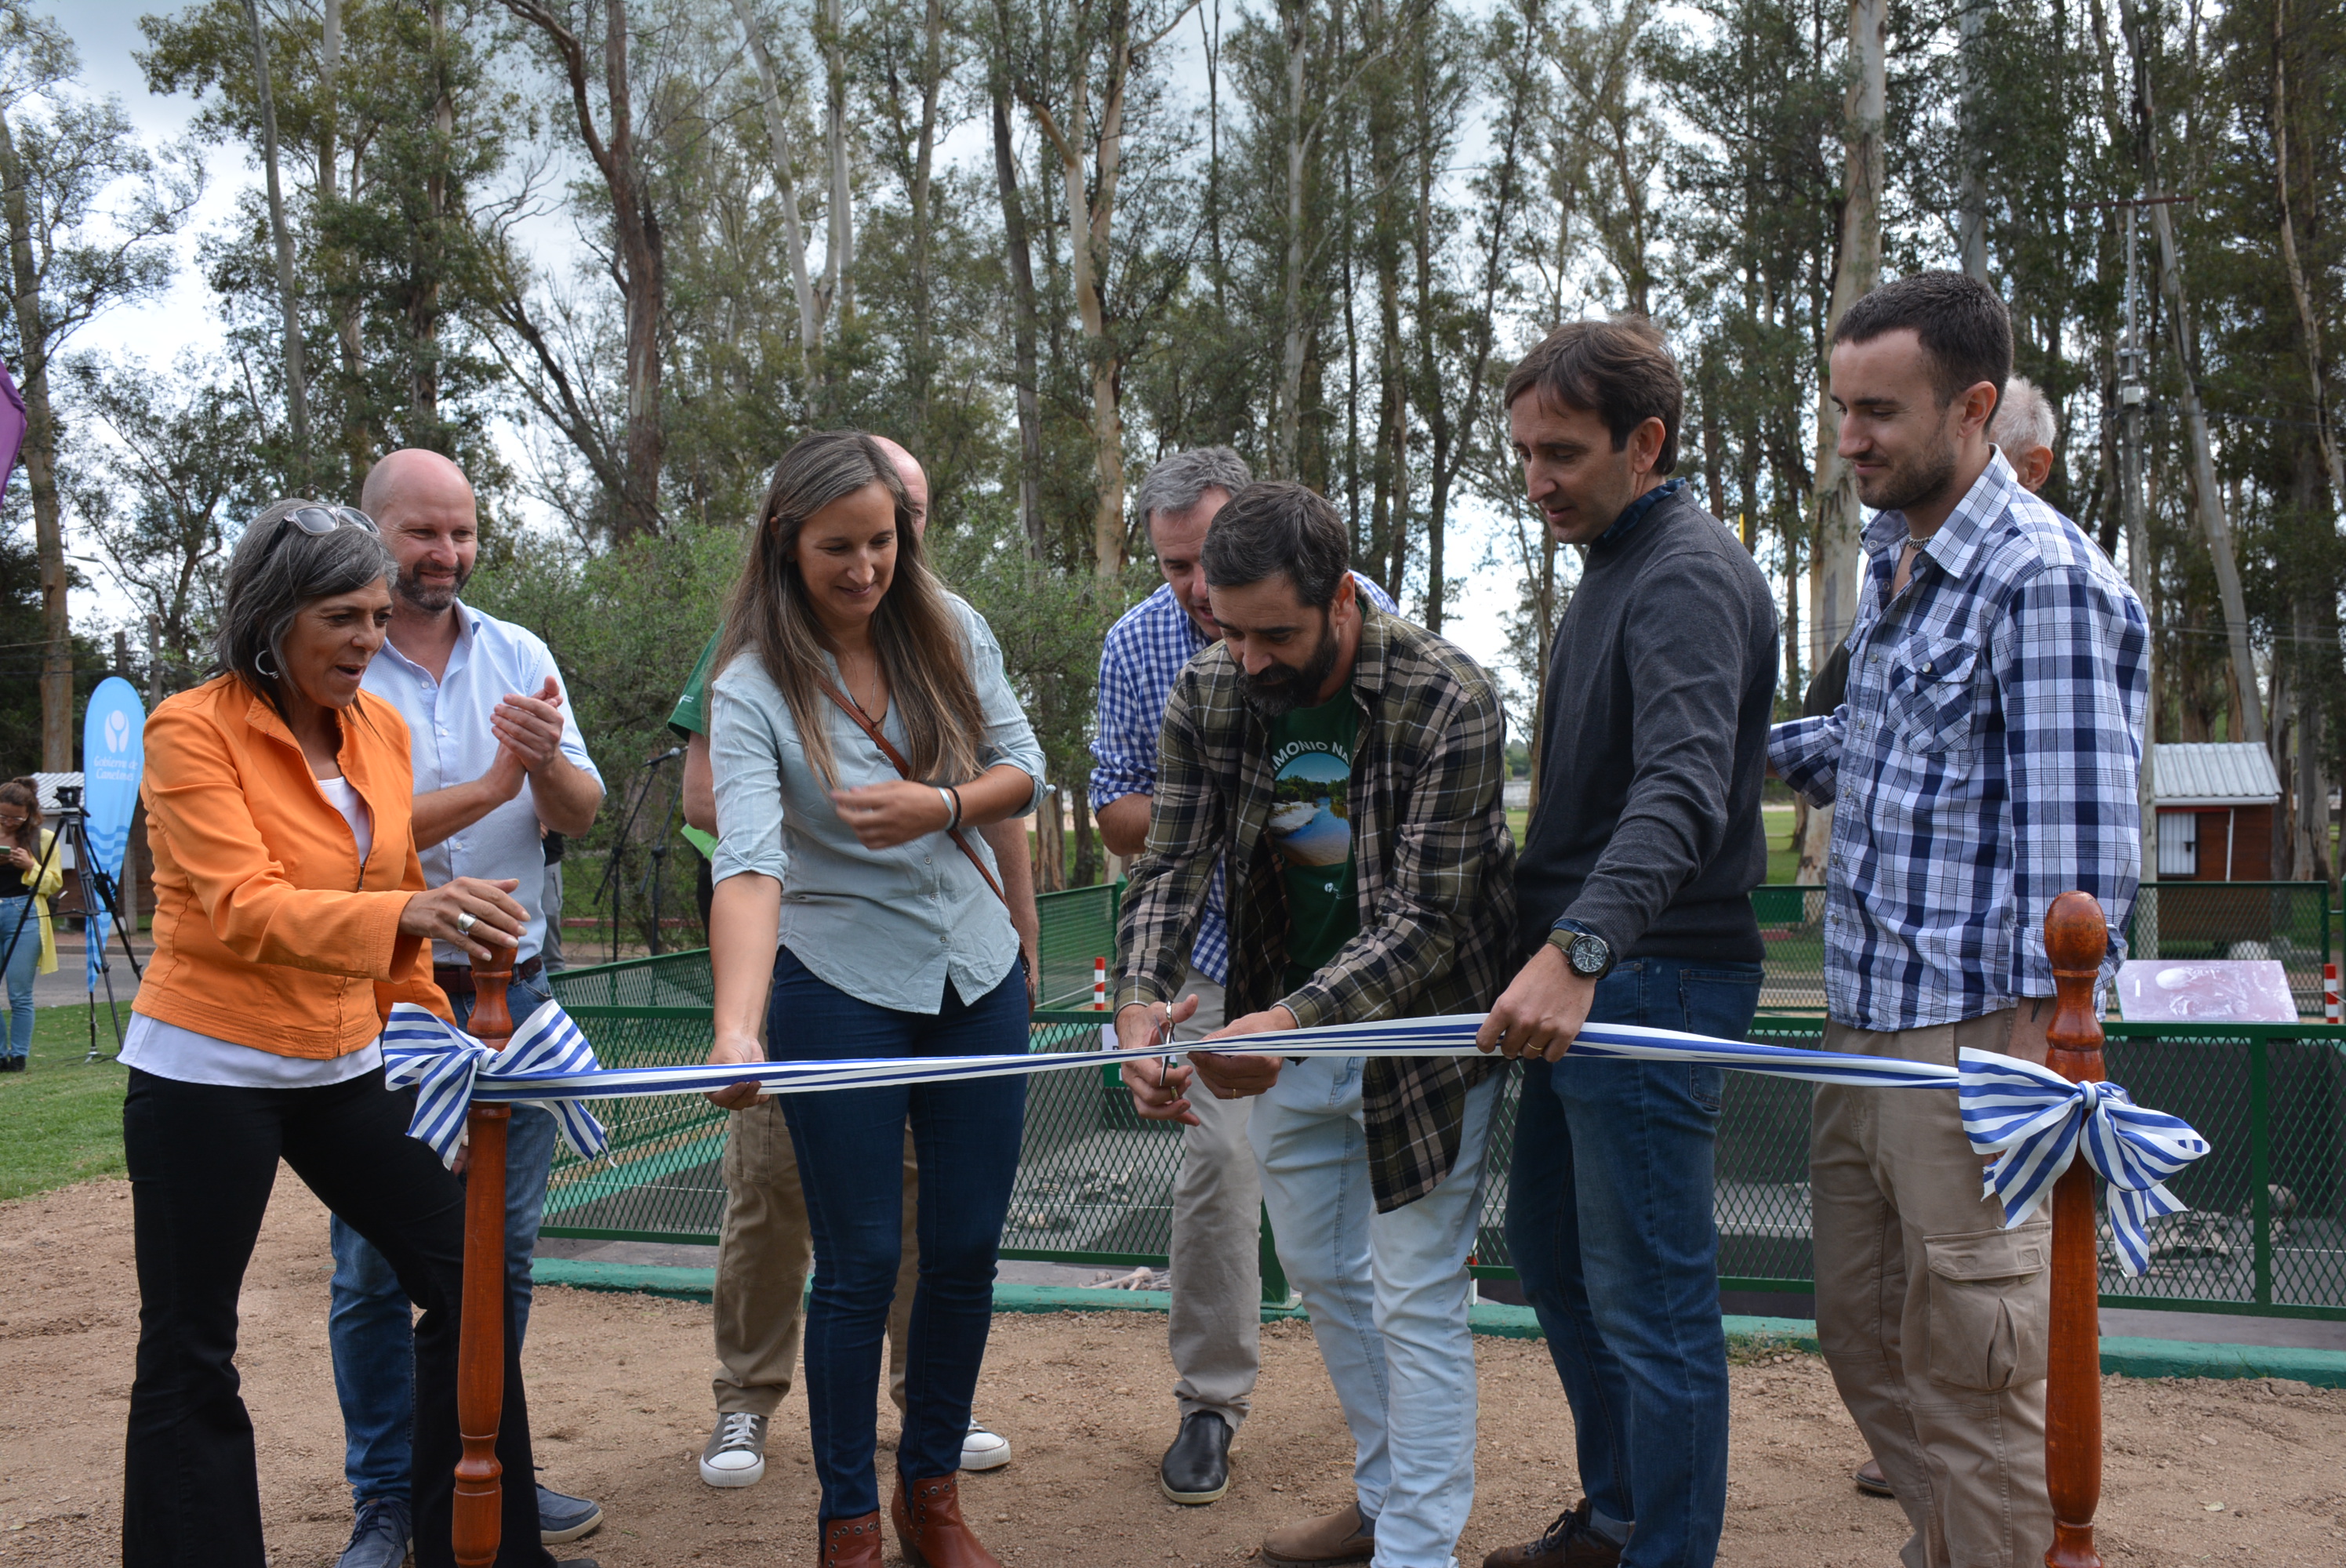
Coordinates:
[320,521]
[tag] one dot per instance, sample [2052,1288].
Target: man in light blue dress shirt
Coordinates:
[493,758]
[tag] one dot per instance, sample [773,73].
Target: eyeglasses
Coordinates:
[320,521]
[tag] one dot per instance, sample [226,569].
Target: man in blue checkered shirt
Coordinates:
[1985,760]
[1217,1197]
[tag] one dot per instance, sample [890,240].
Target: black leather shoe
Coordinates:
[1197,1469]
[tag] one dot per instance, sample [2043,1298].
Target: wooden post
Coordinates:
[2075,938]
[481,1341]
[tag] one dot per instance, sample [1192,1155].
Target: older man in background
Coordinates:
[2024,429]
[495,762]
[1216,1258]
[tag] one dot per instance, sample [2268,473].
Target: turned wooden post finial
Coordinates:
[2076,938]
[481,1339]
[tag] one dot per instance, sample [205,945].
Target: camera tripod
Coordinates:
[99,892]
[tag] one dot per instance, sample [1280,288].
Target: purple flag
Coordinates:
[11,424]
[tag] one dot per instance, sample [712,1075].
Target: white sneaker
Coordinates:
[982,1450]
[736,1454]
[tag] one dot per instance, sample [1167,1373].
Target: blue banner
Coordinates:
[113,756]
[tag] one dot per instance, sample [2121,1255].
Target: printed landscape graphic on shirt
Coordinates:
[1310,821]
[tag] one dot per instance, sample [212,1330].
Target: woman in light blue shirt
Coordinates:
[861,730]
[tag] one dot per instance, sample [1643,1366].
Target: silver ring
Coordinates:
[464,924]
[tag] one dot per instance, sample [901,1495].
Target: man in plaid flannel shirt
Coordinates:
[1214,1329]
[1346,766]
[1984,760]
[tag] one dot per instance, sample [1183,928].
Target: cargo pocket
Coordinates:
[1989,1307]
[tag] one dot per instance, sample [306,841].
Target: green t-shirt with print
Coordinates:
[1311,829]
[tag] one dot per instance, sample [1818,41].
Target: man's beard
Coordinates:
[1923,478]
[434,599]
[1279,690]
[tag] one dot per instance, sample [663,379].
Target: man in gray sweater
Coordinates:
[1632,898]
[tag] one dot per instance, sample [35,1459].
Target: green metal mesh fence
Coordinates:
[2283,920]
[2266,1234]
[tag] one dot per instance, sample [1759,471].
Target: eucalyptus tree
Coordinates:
[89,210]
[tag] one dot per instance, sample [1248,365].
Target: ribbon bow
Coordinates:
[2034,1121]
[450,1067]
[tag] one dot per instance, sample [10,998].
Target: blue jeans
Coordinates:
[370,1326]
[1610,1226]
[851,1154]
[23,961]
[1388,1296]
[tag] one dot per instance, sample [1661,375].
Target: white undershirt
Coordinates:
[169,1050]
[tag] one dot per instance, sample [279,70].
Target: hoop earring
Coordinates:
[260,662]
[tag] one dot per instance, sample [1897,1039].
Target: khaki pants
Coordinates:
[763,1254]
[1215,1327]
[1932,1317]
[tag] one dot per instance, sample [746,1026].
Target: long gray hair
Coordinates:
[270,579]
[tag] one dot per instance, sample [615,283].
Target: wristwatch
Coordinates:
[1589,955]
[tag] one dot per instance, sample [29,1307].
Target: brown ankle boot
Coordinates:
[852,1542]
[929,1526]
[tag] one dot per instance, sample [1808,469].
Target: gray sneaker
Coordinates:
[736,1454]
[562,1518]
[379,1538]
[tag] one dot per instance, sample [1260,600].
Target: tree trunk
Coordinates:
[2208,499]
[1022,307]
[1091,226]
[1287,421]
[838,259]
[924,218]
[643,269]
[1836,560]
[639,266]
[424,304]
[2308,323]
[1454,444]
[297,391]
[40,454]
[778,137]
[1971,200]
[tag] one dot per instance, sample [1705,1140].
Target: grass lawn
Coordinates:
[61,1120]
[1776,820]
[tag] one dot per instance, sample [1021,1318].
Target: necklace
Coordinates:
[1921,543]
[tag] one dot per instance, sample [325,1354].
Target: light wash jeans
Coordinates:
[24,960]
[1388,1296]
[370,1326]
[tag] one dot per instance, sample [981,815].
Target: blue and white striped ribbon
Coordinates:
[2034,1121]
[2035,1118]
[449,1068]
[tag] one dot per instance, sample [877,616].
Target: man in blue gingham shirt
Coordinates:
[1983,762]
[1218,1195]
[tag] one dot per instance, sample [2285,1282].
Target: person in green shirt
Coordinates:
[764,1247]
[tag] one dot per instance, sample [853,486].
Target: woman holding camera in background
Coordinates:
[862,725]
[290,914]
[33,876]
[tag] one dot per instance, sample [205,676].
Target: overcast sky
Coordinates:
[106,32]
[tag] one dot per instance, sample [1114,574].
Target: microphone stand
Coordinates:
[612,862]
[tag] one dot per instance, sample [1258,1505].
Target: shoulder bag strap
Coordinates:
[896,759]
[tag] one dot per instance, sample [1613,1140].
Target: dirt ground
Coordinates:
[2198,1472]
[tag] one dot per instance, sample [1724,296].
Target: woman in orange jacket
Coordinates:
[290,913]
